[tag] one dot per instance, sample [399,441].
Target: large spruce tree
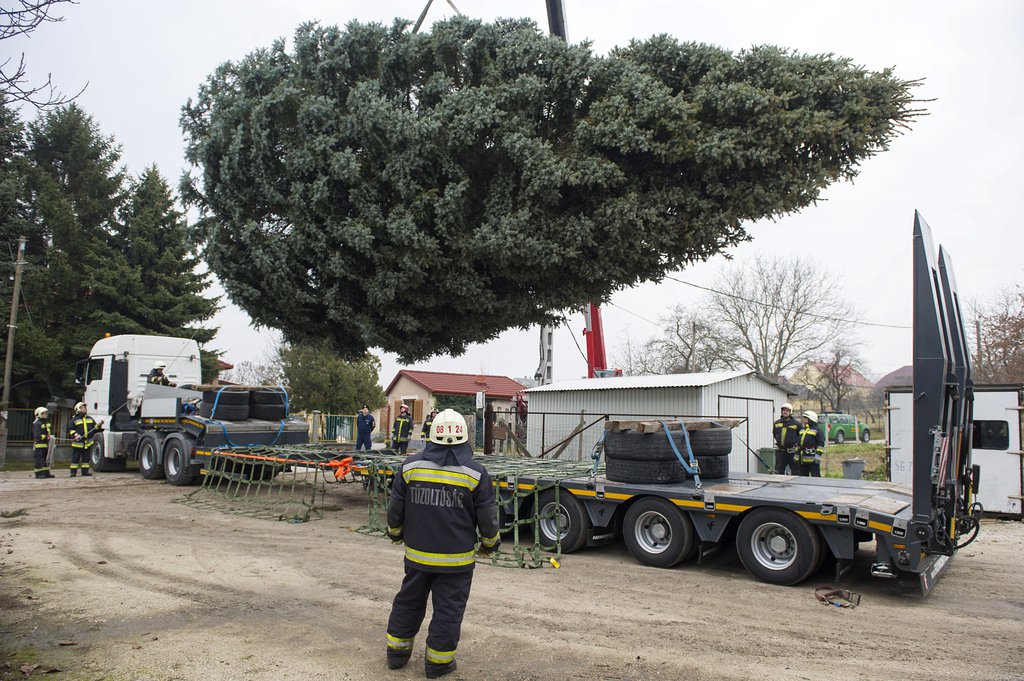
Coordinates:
[419,192]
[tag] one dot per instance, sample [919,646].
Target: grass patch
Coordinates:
[872,453]
[14,514]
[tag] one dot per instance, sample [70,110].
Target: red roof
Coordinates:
[439,382]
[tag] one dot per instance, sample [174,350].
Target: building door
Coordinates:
[753,434]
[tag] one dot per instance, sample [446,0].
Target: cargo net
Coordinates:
[527,491]
[287,483]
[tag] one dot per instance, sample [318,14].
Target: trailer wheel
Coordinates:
[177,461]
[565,518]
[777,546]
[713,467]
[629,444]
[150,466]
[657,533]
[100,463]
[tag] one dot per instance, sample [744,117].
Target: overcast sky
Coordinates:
[960,166]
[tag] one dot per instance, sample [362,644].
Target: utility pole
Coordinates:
[9,360]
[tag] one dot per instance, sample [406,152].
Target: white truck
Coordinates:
[173,430]
[996,426]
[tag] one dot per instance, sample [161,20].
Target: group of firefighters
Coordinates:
[401,429]
[798,446]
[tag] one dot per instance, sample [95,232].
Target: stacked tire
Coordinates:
[269,404]
[225,404]
[635,457]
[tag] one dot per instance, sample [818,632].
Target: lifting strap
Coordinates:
[692,466]
[841,598]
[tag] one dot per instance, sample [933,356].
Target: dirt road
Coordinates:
[146,588]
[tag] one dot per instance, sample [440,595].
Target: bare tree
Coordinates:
[833,379]
[22,18]
[688,343]
[638,359]
[269,370]
[778,313]
[996,331]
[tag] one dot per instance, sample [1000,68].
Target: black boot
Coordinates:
[74,472]
[86,473]
[436,671]
[398,659]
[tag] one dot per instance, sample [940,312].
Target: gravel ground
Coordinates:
[109,578]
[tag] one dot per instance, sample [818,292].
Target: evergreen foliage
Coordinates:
[318,379]
[105,254]
[420,192]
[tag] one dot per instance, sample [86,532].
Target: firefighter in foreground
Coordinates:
[81,432]
[786,434]
[812,446]
[41,436]
[438,500]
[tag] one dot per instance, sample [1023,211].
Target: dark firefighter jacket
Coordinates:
[438,500]
[425,433]
[157,378]
[786,433]
[365,424]
[812,443]
[402,430]
[85,426]
[41,431]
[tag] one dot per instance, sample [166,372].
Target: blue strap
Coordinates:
[596,454]
[690,466]
[213,413]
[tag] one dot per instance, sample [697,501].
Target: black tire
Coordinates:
[226,397]
[271,397]
[177,461]
[225,412]
[267,412]
[865,435]
[629,444]
[626,470]
[777,546]
[657,533]
[713,467]
[566,518]
[840,437]
[148,452]
[101,464]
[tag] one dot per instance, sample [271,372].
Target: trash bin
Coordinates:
[853,469]
[767,455]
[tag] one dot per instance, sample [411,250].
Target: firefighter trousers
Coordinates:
[450,593]
[80,457]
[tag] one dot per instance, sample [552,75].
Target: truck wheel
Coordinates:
[177,461]
[629,444]
[777,546]
[626,470]
[840,437]
[657,533]
[865,435]
[150,466]
[565,519]
[100,463]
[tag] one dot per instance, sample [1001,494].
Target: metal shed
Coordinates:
[556,409]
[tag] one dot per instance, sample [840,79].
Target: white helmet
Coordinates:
[812,415]
[448,428]
[42,411]
[160,365]
[787,405]
[80,406]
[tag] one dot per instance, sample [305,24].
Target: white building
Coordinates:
[558,408]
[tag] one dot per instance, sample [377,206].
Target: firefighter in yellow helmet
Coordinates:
[42,433]
[811,446]
[81,432]
[440,498]
[157,376]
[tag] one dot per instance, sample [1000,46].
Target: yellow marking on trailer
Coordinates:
[880,526]
[607,495]
[812,515]
[687,502]
[521,485]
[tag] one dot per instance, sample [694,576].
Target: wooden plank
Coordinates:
[655,426]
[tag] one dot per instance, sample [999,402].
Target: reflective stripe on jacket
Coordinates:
[812,443]
[402,430]
[786,433]
[85,426]
[41,431]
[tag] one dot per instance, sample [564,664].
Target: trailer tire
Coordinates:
[713,467]
[657,533]
[150,465]
[224,396]
[266,412]
[629,444]
[178,461]
[225,412]
[100,463]
[778,546]
[565,518]
[626,470]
